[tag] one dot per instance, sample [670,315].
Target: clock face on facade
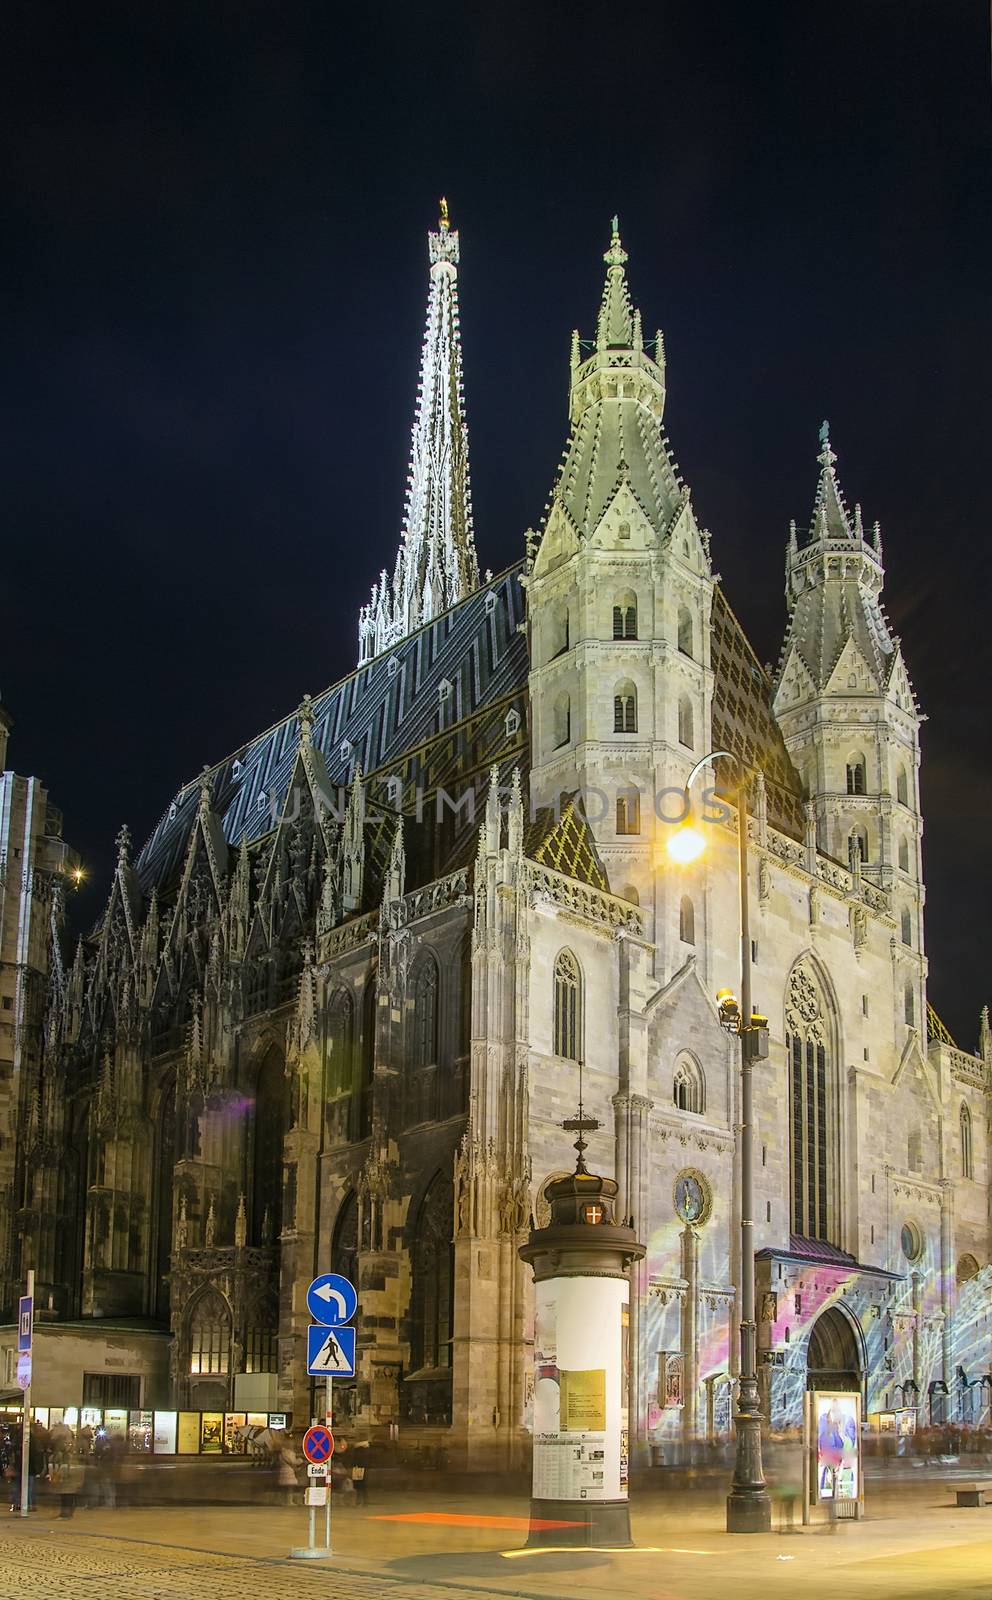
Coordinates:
[693,1197]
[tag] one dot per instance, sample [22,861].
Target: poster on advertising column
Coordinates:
[579,1420]
[836,1444]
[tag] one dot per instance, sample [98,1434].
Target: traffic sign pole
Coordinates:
[26,1413]
[329,1419]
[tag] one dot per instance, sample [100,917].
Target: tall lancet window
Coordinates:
[812,1105]
[568,1006]
[967,1159]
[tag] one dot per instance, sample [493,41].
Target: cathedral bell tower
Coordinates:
[847,710]
[619,595]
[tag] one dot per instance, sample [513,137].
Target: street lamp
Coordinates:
[748,1506]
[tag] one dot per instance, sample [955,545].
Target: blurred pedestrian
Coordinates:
[289,1465]
[71,1478]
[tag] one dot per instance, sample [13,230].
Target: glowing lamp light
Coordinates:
[685,844]
[77,876]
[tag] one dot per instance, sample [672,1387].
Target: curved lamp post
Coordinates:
[748,1505]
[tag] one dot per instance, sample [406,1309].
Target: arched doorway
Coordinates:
[833,1356]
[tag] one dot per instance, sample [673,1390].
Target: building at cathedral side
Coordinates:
[335,1011]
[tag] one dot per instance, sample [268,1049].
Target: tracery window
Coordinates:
[625,709]
[857,845]
[685,631]
[210,1335]
[906,926]
[625,618]
[629,813]
[902,787]
[269,1129]
[685,722]
[568,1006]
[856,776]
[562,721]
[688,1090]
[431,1300]
[362,1100]
[811,1106]
[423,1061]
[967,1159]
[687,920]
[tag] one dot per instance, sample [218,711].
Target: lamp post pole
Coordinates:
[748,1504]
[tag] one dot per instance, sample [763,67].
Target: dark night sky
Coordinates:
[213,285]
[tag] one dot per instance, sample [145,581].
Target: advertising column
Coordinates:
[581,1365]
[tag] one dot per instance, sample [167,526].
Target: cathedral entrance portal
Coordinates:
[833,1357]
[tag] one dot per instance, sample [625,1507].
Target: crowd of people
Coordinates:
[87,1466]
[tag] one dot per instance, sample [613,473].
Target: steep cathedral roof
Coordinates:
[834,581]
[613,443]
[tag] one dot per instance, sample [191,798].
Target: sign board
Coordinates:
[24,1371]
[25,1316]
[833,1452]
[317,1469]
[330,1352]
[332,1300]
[318,1444]
[317,1496]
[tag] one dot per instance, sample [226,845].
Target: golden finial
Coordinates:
[443,220]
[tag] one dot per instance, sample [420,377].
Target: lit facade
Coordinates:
[334,1012]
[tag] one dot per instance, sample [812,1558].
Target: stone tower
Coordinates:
[436,565]
[847,710]
[619,597]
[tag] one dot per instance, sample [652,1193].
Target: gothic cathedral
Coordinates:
[338,1006]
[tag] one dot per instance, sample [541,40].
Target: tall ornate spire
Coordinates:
[436,565]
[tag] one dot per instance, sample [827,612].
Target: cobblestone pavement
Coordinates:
[61,1565]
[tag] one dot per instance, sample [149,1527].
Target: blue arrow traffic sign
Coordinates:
[330,1352]
[332,1299]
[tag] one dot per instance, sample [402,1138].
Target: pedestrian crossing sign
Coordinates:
[330,1352]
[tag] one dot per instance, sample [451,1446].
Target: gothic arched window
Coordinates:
[270,1126]
[688,1090]
[210,1335]
[685,722]
[685,631]
[341,1065]
[559,637]
[362,1101]
[903,855]
[857,845]
[424,1053]
[422,1082]
[344,1239]
[856,774]
[906,926]
[431,1300]
[811,1107]
[687,920]
[902,786]
[562,721]
[568,1007]
[625,708]
[909,1005]
[164,1180]
[967,1160]
[629,812]
[625,617]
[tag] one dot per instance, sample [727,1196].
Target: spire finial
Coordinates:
[616,255]
[826,456]
[444,221]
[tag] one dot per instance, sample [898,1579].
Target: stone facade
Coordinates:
[340,1004]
